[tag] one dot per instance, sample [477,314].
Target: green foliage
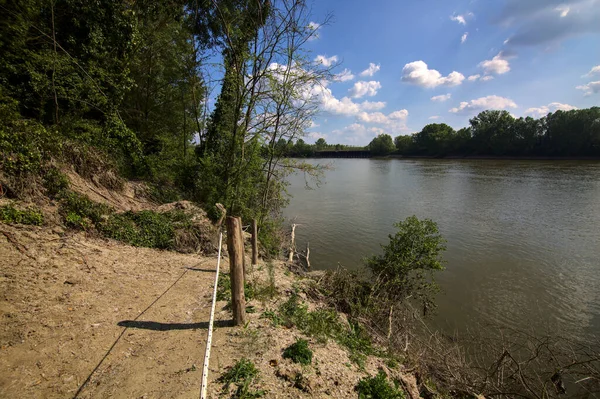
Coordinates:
[78,207]
[434,139]
[378,387]
[12,215]
[382,145]
[403,144]
[405,267]
[55,182]
[243,375]
[299,352]
[224,289]
[140,229]
[324,324]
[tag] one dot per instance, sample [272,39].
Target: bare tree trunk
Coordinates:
[292,243]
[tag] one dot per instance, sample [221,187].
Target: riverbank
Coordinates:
[85,316]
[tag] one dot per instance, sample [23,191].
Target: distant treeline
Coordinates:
[573,133]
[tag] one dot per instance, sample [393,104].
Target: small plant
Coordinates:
[378,387]
[299,352]
[77,221]
[72,203]
[243,374]
[31,216]
[55,182]
[224,289]
[273,316]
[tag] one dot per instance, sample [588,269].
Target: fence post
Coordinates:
[235,248]
[254,243]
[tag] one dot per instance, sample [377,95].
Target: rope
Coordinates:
[210,327]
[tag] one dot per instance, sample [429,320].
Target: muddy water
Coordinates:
[523,236]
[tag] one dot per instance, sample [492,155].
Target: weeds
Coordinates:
[299,352]
[378,387]
[55,182]
[224,289]
[12,215]
[243,375]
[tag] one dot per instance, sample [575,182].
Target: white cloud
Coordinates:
[434,117]
[498,65]
[326,62]
[487,77]
[545,109]
[314,28]
[317,135]
[473,78]
[484,103]
[313,125]
[441,97]
[419,74]
[563,10]
[464,37]
[357,133]
[401,114]
[462,19]
[343,76]
[590,88]
[363,88]
[373,117]
[594,71]
[371,70]
[372,105]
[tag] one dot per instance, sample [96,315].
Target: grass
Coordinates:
[299,352]
[12,215]
[224,289]
[324,324]
[378,387]
[243,375]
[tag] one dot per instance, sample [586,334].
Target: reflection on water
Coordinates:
[523,236]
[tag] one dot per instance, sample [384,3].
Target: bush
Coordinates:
[299,352]
[55,182]
[31,216]
[140,229]
[243,374]
[75,206]
[378,388]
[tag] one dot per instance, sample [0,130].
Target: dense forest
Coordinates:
[127,86]
[573,133]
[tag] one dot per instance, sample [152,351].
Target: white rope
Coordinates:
[210,327]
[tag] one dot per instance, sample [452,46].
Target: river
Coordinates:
[523,237]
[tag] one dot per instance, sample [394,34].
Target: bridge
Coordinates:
[343,154]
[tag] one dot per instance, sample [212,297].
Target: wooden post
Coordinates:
[235,248]
[254,243]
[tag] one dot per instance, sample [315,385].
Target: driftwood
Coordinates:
[292,243]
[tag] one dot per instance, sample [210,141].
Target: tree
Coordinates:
[405,269]
[435,138]
[492,132]
[321,144]
[403,144]
[382,145]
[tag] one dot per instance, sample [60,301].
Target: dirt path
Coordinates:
[72,305]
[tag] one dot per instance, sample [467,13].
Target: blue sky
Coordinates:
[526,56]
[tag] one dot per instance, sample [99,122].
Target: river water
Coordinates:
[523,237]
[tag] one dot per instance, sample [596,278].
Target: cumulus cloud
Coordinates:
[545,109]
[371,70]
[497,65]
[401,114]
[373,117]
[325,61]
[462,19]
[594,71]
[538,22]
[317,135]
[372,105]
[483,103]
[473,78]
[393,123]
[590,88]
[441,97]
[486,78]
[362,88]
[357,133]
[343,76]
[463,38]
[418,73]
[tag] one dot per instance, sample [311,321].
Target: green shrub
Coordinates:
[243,374]
[141,229]
[55,182]
[299,352]
[12,215]
[72,203]
[224,289]
[77,221]
[378,388]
